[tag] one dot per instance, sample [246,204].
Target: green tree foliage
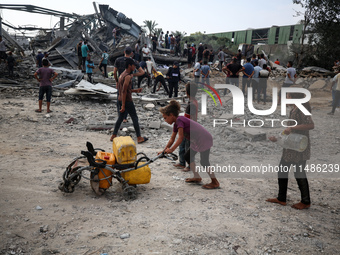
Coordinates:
[158,31]
[322,20]
[150,25]
[214,41]
[181,34]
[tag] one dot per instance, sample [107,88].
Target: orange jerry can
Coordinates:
[103,173]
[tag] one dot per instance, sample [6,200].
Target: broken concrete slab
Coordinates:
[149,107]
[167,126]
[255,134]
[99,87]
[155,124]
[226,116]
[319,84]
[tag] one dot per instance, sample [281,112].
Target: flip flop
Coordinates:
[179,166]
[186,169]
[112,137]
[49,111]
[210,186]
[37,110]
[145,139]
[193,180]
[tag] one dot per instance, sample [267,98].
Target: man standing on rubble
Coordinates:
[167,40]
[197,71]
[154,43]
[3,54]
[221,59]
[172,44]
[39,58]
[235,68]
[336,88]
[146,52]
[80,56]
[262,61]
[200,51]
[120,66]
[103,63]
[291,77]
[248,73]
[84,51]
[125,100]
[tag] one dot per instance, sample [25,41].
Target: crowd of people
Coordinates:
[138,63]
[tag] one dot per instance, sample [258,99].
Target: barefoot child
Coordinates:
[295,158]
[44,77]
[200,141]
[191,113]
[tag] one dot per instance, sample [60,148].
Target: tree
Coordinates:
[158,31]
[322,21]
[150,25]
[181,34]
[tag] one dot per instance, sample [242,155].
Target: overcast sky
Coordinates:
[211,16]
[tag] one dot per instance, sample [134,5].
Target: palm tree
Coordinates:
[157,31]
[150,25]
[181,34]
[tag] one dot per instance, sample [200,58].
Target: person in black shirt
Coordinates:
[173,77]
[200,51]
[234,68]
[154,43]
[80,56]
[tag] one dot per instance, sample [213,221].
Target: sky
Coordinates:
[210,16]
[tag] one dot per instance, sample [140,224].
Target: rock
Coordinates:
[155,124]
[125,129]
[44,228]
[177,241]
[125,236]
[48,116]
[149,107]
[167,126]
[38,207]
[319,84]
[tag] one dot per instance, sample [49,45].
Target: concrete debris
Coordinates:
[149,106]
[155,124]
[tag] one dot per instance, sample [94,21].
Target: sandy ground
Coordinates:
[169,216]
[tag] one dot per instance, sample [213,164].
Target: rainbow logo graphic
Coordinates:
[209,93]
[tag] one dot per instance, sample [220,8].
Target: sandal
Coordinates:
[186,169]
[193,180]
[112,137]
[37,110]
[211,186]
[179,165]
[145,139]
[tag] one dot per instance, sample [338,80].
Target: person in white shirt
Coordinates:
[146,52]
[262,61]
[336,88]
[149,65]
[197,71]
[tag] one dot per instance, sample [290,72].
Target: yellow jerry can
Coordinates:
[138,176]
[124,149]
[103,173]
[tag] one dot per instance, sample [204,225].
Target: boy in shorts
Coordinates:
[45,76]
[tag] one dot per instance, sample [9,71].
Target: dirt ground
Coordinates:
[169,216]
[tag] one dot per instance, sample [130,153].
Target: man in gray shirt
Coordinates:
[290,78]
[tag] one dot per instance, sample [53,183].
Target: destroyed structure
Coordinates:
[97,29]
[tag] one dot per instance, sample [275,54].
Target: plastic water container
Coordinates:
[124,149]
[293,141]
[139,176]
[104,173]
